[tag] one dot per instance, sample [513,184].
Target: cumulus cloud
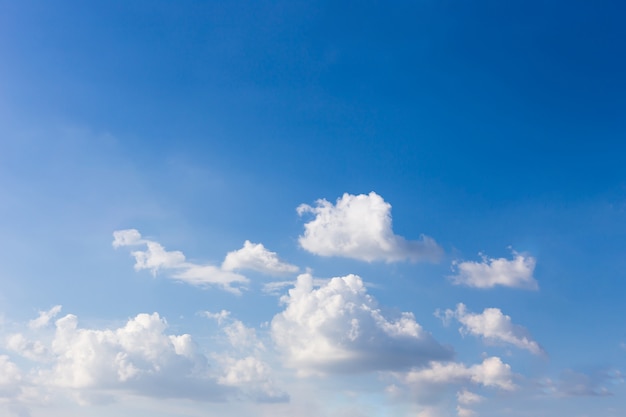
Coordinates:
[141,357]
[492,372]
[516,273]
[256,257]
[493,327]
[360,227]
[338,328]
[156,258]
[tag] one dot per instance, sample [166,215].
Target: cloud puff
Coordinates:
[492,372]
[359,227]
[156,258]
[256,257]
[493,326]
[516,273]
[338,328]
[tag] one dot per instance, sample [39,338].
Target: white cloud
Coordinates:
[128,237]
[359,227]
[138,356]
[141,358]
[466,397]
[44,317]
[256,257]
[156,258]
[33,350]
[492,372]
[493,326]
[339,329]
[516,273]
[10,374]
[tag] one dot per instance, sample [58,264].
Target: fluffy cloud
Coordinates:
[141,358]
[256,257]
[338,328]
[359,227]
[492,372]
[493,326]
[516,273]
[156,258]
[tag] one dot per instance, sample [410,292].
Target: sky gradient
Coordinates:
[342,209]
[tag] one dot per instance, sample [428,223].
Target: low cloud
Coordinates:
[338,328]
[493,327]
[360,227]
[515,273]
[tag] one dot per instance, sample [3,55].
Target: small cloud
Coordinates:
[359,227]
[256,257]
[492,326]
[44,317]
[515,273]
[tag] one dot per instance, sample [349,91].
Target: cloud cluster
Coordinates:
[139,357]
[516,273]
[493,327]
[359,227]
[338,328]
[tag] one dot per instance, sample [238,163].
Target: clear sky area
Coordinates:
[316,209]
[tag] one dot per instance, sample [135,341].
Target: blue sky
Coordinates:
[344,209]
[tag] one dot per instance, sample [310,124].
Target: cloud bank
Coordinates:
[359,227]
